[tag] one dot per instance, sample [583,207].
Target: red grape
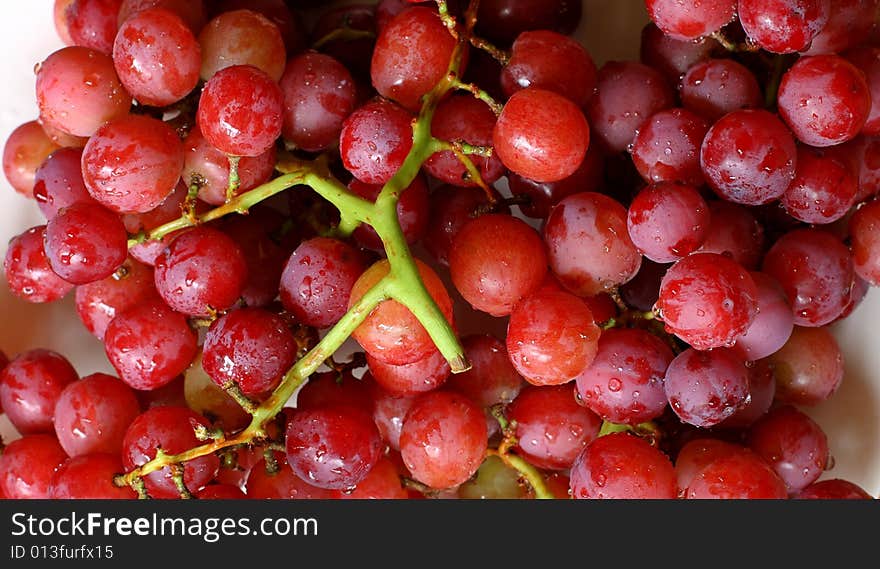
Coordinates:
[97,303]
[749,157]
[642,292]
[762,391]
[388,413]
[667,221]
[741,475]
[28,273]
[90,477]
[92,23]
[201,270]
[697,454]
[61,138]
[78,91]
[157,57]
[808,368]
[549,60]
[391,333]
[85,243]
[492,378]
[705,388]
[816,271]
[28,465]
[691,20]
[375,141]
[282,485]
[332,447]
[735,233]
[411,55]
[622,466]
[667,147]
[251,348]
[707,300]
[833,489]
[864,229]
[551,428]
[318,278]
[190,11]
[588,245]
[173,430]
[443,439]
[280,13]
[59,13]
[133,163]
[421,375]
[381,483]
[264,257]
[783,26]
[319,94]
[627,94]
[624,384]
[541,135]
[716,87]
[823,189]
[149,345]
[867,59]
[495,261]
[551,337]
[58,182]
[864,153]
[25,150]
[824,99]
[772,325]
[335,388]
[670,56]
[30,387]
[451,208]
[241,111]
[793,444]
[92,414]
[849,24]
[242,37]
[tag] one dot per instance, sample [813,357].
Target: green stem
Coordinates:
[177,477]
[531,474]
[241,204]
[299,373]
[234,391]
[481,95]
[403,282]
[501,56]
[234,179]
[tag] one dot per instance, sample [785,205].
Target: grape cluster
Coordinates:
[562,280]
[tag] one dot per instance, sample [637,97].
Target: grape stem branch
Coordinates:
[403,282]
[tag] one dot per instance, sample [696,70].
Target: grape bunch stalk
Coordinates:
[232,199]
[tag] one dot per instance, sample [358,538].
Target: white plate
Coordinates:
[610,30]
